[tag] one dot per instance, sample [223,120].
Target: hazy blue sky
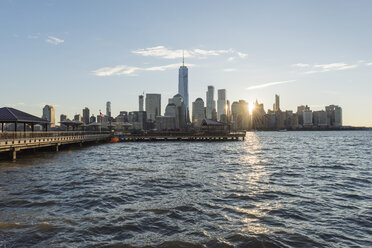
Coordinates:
[73,54]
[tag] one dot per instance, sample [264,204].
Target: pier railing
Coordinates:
[25,135]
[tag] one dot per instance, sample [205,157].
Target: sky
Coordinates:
[77,54]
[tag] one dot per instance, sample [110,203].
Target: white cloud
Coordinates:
[230,59]
[167,53]
[369,64]
[54,40]
[229,69]
[242,55]
[340,66]
[300,65]
[130,70]
[259,86]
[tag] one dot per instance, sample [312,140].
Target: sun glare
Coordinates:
[250,108]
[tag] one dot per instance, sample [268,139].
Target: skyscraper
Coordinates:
[221,104]
[140,102]
[108,109]
[48,114]
[198,111]
[153,106]
[183,87]
[276,106]
[211,103]
[86,115]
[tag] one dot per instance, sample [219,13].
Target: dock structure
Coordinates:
[14,142]
[180,136]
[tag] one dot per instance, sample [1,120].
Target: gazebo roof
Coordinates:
[14,115]
[94,124]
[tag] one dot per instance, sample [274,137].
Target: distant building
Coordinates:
[320,118]
[86,114]
[334,114]
[92,119]
[77,117]
[307,117]
[138,119]
[183,87]
[198,112]
[176,108]
[240,115]
[164,123]
[62,117]
[221,103]
[276,106]
[153,106]
[48,114]
[108,109]
[140,102]
[258,116]
[211,103]
[228,113]
[300,110]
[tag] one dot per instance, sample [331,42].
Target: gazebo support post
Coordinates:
[2,127]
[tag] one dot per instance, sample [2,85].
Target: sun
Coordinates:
[250,108]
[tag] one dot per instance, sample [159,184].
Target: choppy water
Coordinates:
[290,189]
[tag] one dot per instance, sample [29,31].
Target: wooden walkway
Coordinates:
[13,142]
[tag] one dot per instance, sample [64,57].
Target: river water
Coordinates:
[275,189]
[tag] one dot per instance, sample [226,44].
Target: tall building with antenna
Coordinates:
[183,86]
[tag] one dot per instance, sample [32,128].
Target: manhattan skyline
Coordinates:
[316,53]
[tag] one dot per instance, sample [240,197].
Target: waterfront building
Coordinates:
[140,103]
[271,120]
[49,115]
[211,103]
[307,117]
[108,109]
[300,110]
[276,106]
[221,104]
[165,123]
[183,87]
[334,114]
[294,121]
[320,118]
[153,106]
[198,112]
[86,114]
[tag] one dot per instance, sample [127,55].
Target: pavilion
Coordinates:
[11,115]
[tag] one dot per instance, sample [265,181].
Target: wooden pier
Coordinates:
[12,142]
